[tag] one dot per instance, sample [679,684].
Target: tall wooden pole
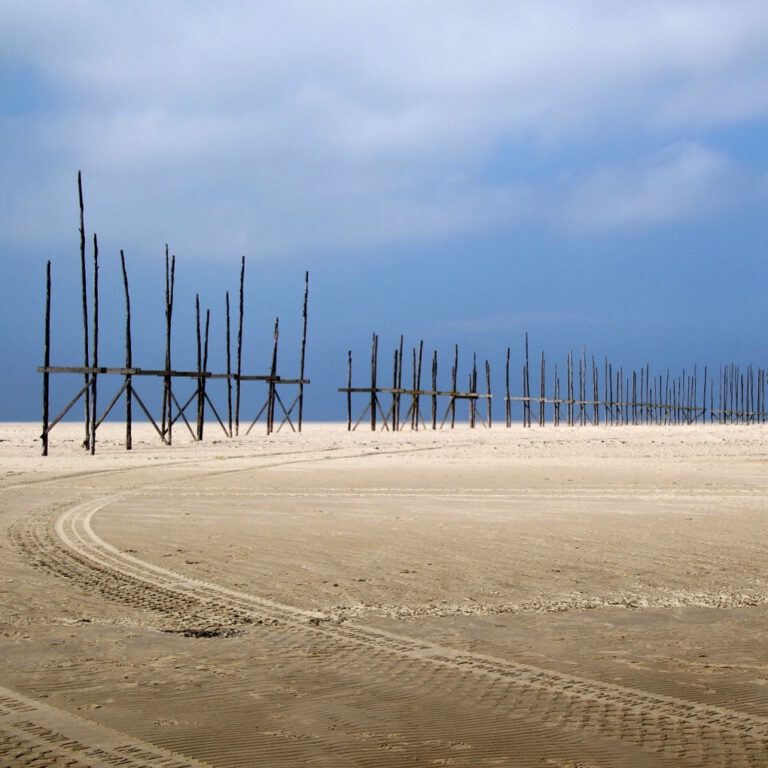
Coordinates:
[454,383]
[349,390]
[488,400]
[507,401]
[205,369]
[95,340]
[374,353]
[83,279]
[239,346]
[399,378]
[128,359]
[303,350]
[273,381]
[395,364]
[229,367]
[46,356]
[434,389]
[199,367]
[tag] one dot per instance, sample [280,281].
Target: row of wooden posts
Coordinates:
[171,410]
[579,395]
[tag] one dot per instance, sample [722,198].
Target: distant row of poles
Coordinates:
[583,392]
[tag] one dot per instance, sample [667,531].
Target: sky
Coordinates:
[594,174]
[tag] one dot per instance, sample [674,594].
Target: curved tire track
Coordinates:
[685,730]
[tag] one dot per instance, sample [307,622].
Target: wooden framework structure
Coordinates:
[638,397]
[396,417]
[585,394]
[172,410]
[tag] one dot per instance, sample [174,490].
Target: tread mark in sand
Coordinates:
[657,723]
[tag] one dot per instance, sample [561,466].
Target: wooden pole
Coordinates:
[507,401]
[434,389]
[488,399]
[416,409]
[95,340]
[454,383]
[229,367]
[128,359]
[83,279]
[527,387]
[349,390]
[272,381]
[239,346]
[46,356]
[399,379]
[199,368]
[205,369]
[303,350]
[542,389]
[374,354]
[170,279]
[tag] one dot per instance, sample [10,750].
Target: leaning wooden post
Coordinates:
[418,385]
[434,389]
[205,369]
[273,381]
[239,347]
[349,390]
[95,340]
[83,280]
[303,351]
[46,356]
[128,358]
[229,369]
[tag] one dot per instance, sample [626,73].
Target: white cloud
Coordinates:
[299,126]
[679,182]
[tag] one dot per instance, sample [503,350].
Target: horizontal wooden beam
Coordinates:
[90,370]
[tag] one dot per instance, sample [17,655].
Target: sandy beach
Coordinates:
[507,597]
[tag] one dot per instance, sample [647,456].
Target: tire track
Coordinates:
[35,734]
[684,730]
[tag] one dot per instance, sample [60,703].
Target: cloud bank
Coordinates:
[316,128]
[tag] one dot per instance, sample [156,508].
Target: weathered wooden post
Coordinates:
[83,280]
[239,346]
[229,366]
[273,381]
[303,351]
[46,356]
[434,389]
[349,390]
[95,341]
[205,370]
[199,369]
[507,401]
[454,383]
[374,355]
[542,390]
[488,400]
[128,359]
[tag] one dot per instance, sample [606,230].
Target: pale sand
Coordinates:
[544,597]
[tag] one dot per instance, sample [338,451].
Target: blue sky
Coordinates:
[594,173]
